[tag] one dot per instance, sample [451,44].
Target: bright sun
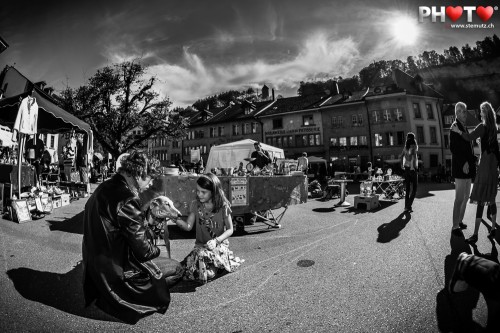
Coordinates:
[405,30]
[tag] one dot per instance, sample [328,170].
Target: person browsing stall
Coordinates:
[123,270]
[409,161]
[260,157]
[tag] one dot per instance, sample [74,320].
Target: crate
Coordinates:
[369,201]
[65,200]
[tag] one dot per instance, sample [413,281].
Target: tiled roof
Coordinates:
[290,104]
[229,113]
[237,111]
[410,84]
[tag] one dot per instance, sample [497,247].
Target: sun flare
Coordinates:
[405,30]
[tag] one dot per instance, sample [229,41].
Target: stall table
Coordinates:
[390,187]
[257,195]
[342,182]
[9,172]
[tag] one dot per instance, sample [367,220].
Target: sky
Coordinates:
[200,48]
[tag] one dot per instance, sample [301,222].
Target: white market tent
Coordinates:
[229,155]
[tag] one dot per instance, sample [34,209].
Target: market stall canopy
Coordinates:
[229,155]
[51,118]
[315,159]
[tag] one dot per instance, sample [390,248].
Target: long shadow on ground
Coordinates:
[72,225]
[60,291]
[389,231]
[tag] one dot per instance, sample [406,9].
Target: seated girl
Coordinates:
[211,213]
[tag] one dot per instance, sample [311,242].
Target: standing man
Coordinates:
[81,160]
[260,157]
[303,163]
[463,168]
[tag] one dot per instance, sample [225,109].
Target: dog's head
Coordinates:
[162,207]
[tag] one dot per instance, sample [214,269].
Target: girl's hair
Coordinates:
[491,126]
[139,164]
[410,141]
[210,182]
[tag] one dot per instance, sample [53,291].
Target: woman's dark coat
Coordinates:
[118,271]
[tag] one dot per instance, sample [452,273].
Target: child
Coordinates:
[212,216]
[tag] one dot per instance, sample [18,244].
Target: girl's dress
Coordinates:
[208,226]
[484,189]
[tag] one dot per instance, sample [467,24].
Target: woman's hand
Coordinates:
[455,129]
[466,168]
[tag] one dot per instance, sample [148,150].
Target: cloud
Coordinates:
[194,78]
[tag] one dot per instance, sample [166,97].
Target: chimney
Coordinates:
[335,88]
[273,93]
[41,84]
[265,92]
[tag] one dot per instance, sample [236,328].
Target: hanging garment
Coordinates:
[27,116]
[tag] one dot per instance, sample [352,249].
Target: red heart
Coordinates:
[484,13]
[454,13]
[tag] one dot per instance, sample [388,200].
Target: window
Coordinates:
[448,120]
[416,110]
[387,115]
[290,141]
[433,135]
[334,121]
[363,140]
[311,139]
[353,141]
[236,129]
[254,127]
[212,132]
[52,139]
[376,116]
[334,142]
[398,114]
[343,141]
[278,142]
[354,118]
[341,121]
[378,139]
[433,160]
[389,138]
[221,130]
[360,120]
[246,128]
[175,144]
[307,120]
[430,114]
[420,135]
[446,141]
[285,141]
[269,141]
[277,123]
[317,139]
[401,138]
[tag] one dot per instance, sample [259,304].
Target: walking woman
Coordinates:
[409,160]
[484,190]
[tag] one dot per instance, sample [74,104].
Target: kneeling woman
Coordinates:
[211,213]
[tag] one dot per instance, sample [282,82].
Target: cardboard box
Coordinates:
[56,202]
[65,199]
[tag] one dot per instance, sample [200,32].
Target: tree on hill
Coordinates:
[117,100]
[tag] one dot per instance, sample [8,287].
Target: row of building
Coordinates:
[346,129]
